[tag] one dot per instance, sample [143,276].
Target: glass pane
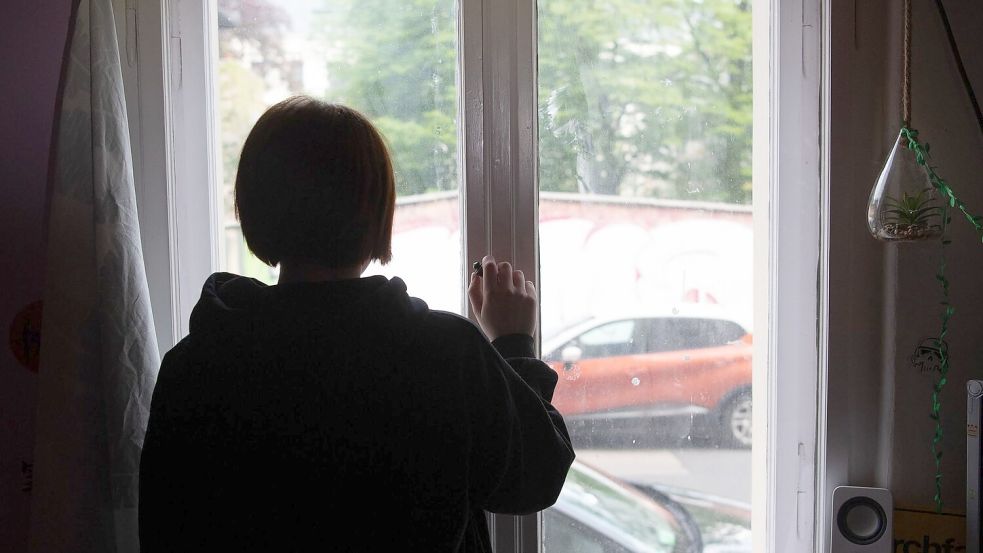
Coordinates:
[646,268]
[393,60]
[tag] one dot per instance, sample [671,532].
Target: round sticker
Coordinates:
[25,335]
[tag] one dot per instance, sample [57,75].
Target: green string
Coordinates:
[950,201]
[943,348]
[921,156]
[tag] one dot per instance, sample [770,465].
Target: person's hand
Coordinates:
[503,300]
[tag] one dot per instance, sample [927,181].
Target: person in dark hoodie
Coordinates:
[331,412]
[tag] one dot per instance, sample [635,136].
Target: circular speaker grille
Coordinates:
[861,520]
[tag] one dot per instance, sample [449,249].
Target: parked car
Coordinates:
[724,525]
[682,363]
[598,513]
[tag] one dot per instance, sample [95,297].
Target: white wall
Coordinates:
[884,298]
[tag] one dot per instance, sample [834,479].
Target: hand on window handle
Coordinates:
[503,301]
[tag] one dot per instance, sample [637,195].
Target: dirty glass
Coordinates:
[646,253]
[393,60]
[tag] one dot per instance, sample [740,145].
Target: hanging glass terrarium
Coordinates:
[903,205]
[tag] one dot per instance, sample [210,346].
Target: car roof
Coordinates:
[652,522]
[691,496]
[710,512]
[679,311]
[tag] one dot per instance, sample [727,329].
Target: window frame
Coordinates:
[171,129]
[173,163]
[791,264]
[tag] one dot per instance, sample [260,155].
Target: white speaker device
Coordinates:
[862,520]
[974,466]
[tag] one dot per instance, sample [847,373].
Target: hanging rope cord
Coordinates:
[950,200]
[906,67]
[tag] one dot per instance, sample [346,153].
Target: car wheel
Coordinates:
[735,421]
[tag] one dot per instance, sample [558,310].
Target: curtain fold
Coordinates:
[99,356]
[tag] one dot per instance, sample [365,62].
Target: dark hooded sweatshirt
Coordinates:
[343,416]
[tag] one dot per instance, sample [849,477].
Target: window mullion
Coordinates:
[500,185]
[191,151]
[498,61]
[471,140]
[144,82]
[787,496]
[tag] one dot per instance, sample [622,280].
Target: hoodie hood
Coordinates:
[239,306]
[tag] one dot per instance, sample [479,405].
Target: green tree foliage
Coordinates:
[647,98]
[396,62]
[251,60]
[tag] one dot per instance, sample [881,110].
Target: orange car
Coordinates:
[683,363]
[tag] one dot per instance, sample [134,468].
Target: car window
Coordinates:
[608,340]
[672,334]
[724,332]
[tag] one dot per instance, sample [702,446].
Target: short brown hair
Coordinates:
[315,183]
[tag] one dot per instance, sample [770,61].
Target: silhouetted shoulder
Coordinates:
[445,321]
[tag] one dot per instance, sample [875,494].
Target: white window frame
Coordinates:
[172,125]
[173,121]
[791,270]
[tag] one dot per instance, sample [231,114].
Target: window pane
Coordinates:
[645,221]
[393,60]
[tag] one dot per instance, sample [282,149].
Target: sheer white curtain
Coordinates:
[99,355]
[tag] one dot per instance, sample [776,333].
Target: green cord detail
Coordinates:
[950,201]
[943,349]
[921,156]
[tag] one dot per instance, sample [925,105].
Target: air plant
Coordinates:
[912,216]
